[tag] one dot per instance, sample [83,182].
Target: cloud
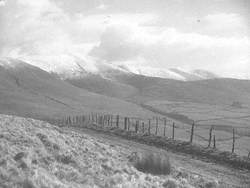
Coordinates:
[225,24]
[171,48]
[2,3]
[29,25]
[121,33]
[43,27]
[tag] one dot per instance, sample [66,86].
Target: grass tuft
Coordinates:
[153,163]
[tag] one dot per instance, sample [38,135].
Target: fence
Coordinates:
[164,127]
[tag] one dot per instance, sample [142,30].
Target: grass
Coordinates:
[223,118]
[30,157]
[156,164]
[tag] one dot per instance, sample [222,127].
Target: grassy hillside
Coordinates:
[214,91]
[108,87]
[37,154]
[142,89]
[29,91]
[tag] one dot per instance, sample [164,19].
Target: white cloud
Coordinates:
[171,48]
[219,42]
[2,3]
[225,24]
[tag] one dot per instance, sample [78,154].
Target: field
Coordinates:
[223,118]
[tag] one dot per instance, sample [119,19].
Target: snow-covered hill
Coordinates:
[70,66]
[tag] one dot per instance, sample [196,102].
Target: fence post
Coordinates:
[248,155]
[92,117]
[143,127]
[128,124]
[156,128]
[89,118]
[125,123]
[70,122]
[111,120]
[83,120]
[101,120]
[210,136]
[75,120]
[233,140]
[117,121]
[165,124]
[136,126]
[67,121]
[107,120]
[96,118]
[214,142]
[104,120]
[149,126]
[173,131]
[192,133]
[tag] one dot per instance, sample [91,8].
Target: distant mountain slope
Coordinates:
[139,88]
[213,91]
[29,91]
[108,87]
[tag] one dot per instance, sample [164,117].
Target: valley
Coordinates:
[221,103]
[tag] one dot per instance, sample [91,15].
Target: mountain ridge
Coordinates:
[71,66]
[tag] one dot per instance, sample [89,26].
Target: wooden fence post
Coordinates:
[173,131]
[108,119]
[104,120]
[96,118]
[101,120]
[78,120]
[92,117]
[210,136]
[214,142]
[143,127]
[156,128]
[233,140]
[165,124]
[89,118]
[149,126]
[136,126]
[192,133]
[117,121]
[125,123]
[128,124]
[248,155]
[111,120]
[67,121]
[70,122]
[83,120]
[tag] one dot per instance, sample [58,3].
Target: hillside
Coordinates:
[29,91]
[103,86]
[221,91]
[37,154]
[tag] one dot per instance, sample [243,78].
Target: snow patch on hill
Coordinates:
[71,66]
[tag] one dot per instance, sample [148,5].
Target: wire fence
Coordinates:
[225,140]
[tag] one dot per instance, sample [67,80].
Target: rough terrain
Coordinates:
[36,154]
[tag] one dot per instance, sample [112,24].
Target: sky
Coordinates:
[213,35]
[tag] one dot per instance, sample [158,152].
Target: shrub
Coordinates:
[171,183]
[154,163]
